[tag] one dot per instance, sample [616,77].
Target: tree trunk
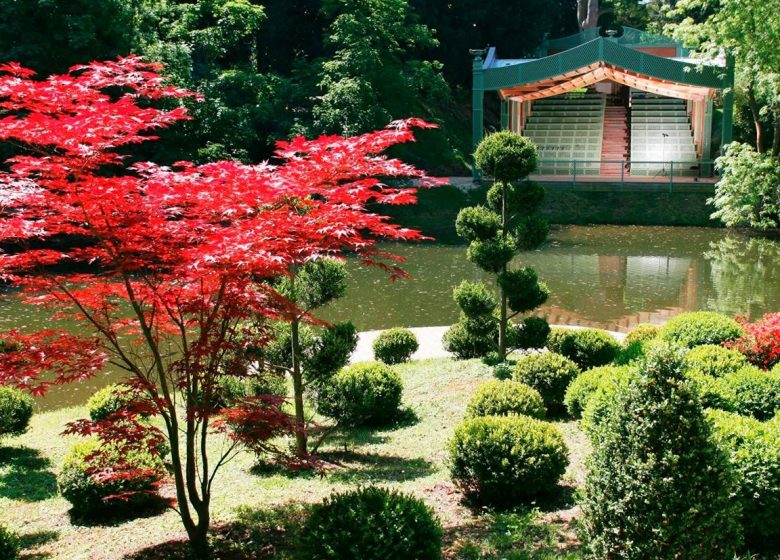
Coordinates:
[755,111]
[301,444]
[502,324]
[199,541]
[587,14]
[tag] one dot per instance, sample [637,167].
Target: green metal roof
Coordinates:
[630,37]
[501,74]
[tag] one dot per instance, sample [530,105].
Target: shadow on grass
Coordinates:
[119,513]
[255,534]
[562,498]
[33,540]
[25,475]
[355,467]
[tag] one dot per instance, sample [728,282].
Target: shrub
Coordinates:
[587,383]
[548,373]
[503,398]
[9,544]
[761,342]
[371,524]
[504,460]
[16,409]
[395,346]
[588,348]
[756,392]
[362,394]
[466,345]
[477,222]
[555,339]
[88,493]
[506,156]
[329,352]
[110,400]
[700,327]
[713,360]
[641,333]
[713,391]
[531,333]
[753,449]
[658,487]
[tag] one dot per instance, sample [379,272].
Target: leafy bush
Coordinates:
[88,493]
[466,345]
[555,339]
[713,360]
[329,352]
[641,333]
[110,400]
[394,346]
[761,342]
[713,391]
[587,348]
[531,333]
[523,290]
[506,459]
[503,398]
[756,393]
[362,394]
[753,449]
[587,383]
[477,223]
[9,544]
[491,255]
[700,327]
[658,487]
[474,298]
[506,156]
[371,524]
[16,409]
[550,374]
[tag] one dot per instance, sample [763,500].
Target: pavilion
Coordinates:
[629,105]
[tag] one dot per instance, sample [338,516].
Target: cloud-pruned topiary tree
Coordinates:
[496,232]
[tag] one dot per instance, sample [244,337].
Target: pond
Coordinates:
[610,277]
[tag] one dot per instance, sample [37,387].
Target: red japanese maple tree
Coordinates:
[165,264]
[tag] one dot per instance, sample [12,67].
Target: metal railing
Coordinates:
[659,170]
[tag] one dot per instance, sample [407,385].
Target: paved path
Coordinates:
[430,342]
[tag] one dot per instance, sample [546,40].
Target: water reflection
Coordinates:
[610,277]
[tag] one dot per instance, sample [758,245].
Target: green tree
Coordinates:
[496,232]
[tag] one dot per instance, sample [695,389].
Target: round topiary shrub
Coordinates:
[371,523]
[641,333]
[587,383]
[700,327]
[16,409]
[713,360]
[88,493]
[110,400]
[713,391]
[658,487]
[555,339]
[466,344]
[504,398]
[9,544]
[395,346]
[550,374]
[362,394]
[506,156]
[506,459]
[756,393]
[753,449]
[588,348]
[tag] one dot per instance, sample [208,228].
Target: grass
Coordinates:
[260,509]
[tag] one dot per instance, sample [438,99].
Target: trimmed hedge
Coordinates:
[588,348]
[110,400]
[589,382]
[371,523]
[504,398]
[88,494]
[506,459]
[16,409]
[700,327]
[658,487]
[362,394]
[641,333]
[550,374]
[713,391]
[713,360]
[753,449]
[395,346]
[756,393]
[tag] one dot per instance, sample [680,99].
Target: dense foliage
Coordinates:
[16,409]
[110,400]
[603,378]
[366,393]
[394,346]
[715,361]
[641,333]
[755,393]
[658,487]
[700,327]
[761,341]
[9,544]
[550,374]
[506,459]
[504,398]
[371,523]
[588,348]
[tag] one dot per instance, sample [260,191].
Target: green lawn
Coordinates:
[258,510]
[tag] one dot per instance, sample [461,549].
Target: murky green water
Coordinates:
[611,277]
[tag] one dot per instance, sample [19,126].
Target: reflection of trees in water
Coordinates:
[745,273]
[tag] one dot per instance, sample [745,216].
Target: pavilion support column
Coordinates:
[727,126]
[477,105]
[706,138]
[504,114]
